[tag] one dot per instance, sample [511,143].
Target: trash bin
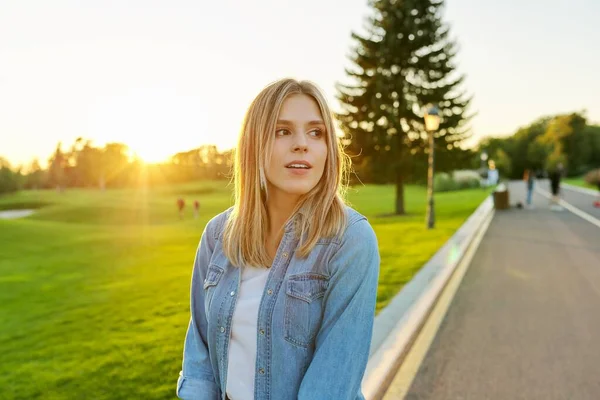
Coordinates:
[501,199]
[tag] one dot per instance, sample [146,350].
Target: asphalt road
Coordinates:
[525,322]
[584,202]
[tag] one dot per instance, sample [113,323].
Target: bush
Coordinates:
[442,182]
[593,177]
[466,179]
[460,179]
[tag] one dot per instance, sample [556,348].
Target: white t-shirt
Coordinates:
[242,345]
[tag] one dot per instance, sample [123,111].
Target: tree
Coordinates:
[564,137]
[526,150]
[87,163]
[35,176]
[56,169]
[537,153]
[115,165]
[548,141]
[9,179]
[503,162]
[592,134]
[204,162]
[404,62]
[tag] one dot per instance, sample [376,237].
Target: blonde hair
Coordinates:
[320,212]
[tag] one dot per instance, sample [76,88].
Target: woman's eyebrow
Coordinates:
[286,122]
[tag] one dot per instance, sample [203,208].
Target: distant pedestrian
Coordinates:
[180,207]
[493,175]
[529,178]
[196,208]
[555,177]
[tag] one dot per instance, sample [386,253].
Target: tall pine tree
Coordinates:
[402,63]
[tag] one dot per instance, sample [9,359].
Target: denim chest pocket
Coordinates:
[213,276]
[304,307]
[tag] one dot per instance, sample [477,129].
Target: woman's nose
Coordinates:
[300,144]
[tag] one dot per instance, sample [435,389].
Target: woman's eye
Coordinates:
[316,133]
[281,132]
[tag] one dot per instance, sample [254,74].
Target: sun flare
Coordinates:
[150,152]
[155,123]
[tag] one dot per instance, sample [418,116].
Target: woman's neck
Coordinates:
[279,211]
[280,207]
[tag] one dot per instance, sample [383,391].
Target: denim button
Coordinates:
[269,292]
[285,255]
[261,371]
[232,294]
[222,330]
[262,331]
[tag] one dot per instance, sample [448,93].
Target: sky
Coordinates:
[169,76]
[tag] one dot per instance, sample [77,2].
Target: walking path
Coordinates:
[525,321]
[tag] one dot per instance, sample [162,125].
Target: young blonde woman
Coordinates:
[284,283]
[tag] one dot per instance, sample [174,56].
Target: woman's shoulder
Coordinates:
[357,248]
[357,227]
[353,216]
[215,226]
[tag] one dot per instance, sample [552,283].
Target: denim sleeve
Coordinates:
[196,380]
[342,343]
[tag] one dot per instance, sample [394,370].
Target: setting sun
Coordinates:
[157,150]
[155,123]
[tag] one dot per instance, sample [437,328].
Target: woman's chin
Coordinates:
[296,189]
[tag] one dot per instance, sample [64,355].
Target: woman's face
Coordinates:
[299,149]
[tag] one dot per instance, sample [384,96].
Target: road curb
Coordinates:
[398,324]
[574,188]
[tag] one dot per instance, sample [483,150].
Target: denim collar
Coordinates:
[290,224]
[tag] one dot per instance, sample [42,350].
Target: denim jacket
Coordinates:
[315,318]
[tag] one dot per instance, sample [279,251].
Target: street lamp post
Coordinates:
[484,158]
[432,123]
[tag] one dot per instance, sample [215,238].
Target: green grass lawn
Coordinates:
[94,287]
[579,182]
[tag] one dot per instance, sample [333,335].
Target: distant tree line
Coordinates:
[565,139]
[84,165]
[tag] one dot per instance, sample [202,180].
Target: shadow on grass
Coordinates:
[397,216]
[24,205]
